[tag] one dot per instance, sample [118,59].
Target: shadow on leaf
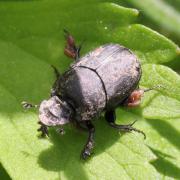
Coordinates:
[4,175]
[165,166]
[64,155]
[166,130]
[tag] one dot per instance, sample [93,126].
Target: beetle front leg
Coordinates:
[55,87]
[27,105]
[44,130]
[71,50]
[86,152]
[110,116]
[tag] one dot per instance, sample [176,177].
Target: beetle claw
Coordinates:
[129,128]
[26,105]
[85,154]
[87,150]
[139,131]
[133,123]
[61,131]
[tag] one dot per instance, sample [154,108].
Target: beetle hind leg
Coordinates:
[110,116]
[71,50]
[134,98]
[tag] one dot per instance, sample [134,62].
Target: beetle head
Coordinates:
[54,112]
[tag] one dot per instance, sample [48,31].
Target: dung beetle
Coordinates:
[100,81]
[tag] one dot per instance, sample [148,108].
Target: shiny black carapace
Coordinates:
[100,81]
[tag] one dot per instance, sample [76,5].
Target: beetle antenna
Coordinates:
[154,88]
[27,105]
[61,131]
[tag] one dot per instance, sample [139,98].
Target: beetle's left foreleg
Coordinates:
[110,116]
[44,130]
[86,152]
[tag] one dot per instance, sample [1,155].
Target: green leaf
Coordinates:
[150,46]
[175,4]
[162,13]
[31,39]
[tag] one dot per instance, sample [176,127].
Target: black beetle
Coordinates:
[102,80]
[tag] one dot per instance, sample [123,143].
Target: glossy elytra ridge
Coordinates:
[101,81]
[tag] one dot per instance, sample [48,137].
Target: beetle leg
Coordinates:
[56,72]
[71,50]
[86,152]
[110,116]
[134,99]
[55,87]
[44,130]
[27,105]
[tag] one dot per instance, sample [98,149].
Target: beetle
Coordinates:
[100,81]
